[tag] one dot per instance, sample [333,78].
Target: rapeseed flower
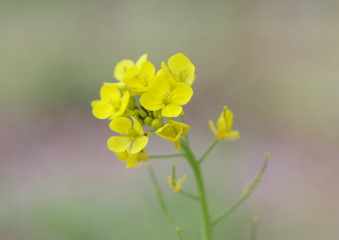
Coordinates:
[179,68]
[165,96]
[133,160]
[139,77]
[113,102]
[173,132]
[176,184]
[134,139]
[123,66]
[224,126]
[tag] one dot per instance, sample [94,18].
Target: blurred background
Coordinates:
[273,63]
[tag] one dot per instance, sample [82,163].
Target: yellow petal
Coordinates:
[182,94]
[177,145]
[147,69]
[231,135]
[121,68]
[225,121]
[138,144]
[131,74]
[170,181]
[179,183]
[137,128]
[118,143]
[123,106]
[171,110]
[121,125]
[109,92]
[212,126]
[102,109]
[93,103]
[151,101]
[163,72]
[123,156]
[142,59]
[167,132]
[180,65]
[131,162]
[179,61]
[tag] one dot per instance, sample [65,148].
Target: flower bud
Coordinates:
[148,121]
[142,113]
[157,123]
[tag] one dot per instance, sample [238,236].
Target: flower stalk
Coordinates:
[205,221]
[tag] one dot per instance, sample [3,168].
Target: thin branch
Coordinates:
[178,230]
[159,193]
[167,156]
[208,151]
[189,195]
[246,193]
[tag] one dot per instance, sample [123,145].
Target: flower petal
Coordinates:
[225,120]
[109,92]
[181,66]
[231,135]
[171,110]
[102,109]
[182,94]
[121,68]
[123,105]
[118,143]
[212,126]
[121,125]
[151,101]
[147,68]
[138,144]
[142,59]
[137,128]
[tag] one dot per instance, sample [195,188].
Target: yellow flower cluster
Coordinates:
[145,98]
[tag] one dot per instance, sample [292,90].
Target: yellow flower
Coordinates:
[173,132]
[224,124]
[133,160]
[176,184]
[138,77]
[133,140]
[123,66]
[179,68]
[167,97]
[112,103]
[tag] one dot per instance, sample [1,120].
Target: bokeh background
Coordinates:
[274,63]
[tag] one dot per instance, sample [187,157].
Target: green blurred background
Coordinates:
[274,63]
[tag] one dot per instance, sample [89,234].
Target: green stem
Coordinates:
[208,151]
[167,156]
[230,210]
[178,230]
[182,118]
[206,224]
[159,194]
[254,227]
[189,195]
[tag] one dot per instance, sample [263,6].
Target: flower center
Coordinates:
[167,98]
[115,103]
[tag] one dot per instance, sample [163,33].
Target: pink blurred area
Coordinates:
[273,63]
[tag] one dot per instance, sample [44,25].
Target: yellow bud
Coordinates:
[142,113]
[157,123]
[148,121]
